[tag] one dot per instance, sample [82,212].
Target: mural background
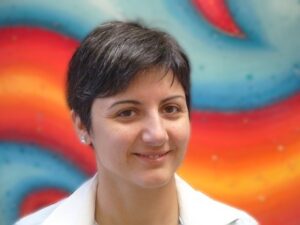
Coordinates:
[246,91]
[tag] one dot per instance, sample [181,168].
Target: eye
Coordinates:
[171,109]
[128,113]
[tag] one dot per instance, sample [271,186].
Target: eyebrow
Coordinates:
[134,102]
[173,97]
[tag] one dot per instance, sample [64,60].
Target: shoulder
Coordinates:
[224,212]
[197,207]
[76,209]
[38,217]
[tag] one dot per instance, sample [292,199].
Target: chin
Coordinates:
[154,179]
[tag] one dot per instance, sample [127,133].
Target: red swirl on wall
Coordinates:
[216,12]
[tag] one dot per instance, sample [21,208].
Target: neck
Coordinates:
[128,204]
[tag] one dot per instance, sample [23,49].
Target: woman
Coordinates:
[129,91]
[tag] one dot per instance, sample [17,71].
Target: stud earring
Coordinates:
[83,139]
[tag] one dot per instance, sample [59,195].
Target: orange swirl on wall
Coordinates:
[249,159]
[33,64]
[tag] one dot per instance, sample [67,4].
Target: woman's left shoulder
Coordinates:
[196,206]
[244,219]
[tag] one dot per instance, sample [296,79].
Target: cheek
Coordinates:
[181,132]
[115,140]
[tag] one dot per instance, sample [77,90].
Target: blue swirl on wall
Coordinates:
[264,70]
[25,168]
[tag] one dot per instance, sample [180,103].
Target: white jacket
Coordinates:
[195,209]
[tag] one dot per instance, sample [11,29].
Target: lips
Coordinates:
[151,156]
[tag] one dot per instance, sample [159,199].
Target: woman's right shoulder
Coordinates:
[38,217]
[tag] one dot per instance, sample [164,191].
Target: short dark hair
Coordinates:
[111,55]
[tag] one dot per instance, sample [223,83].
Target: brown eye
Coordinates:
[127,113]
[171,109]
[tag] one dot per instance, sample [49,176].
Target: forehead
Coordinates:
[147,86]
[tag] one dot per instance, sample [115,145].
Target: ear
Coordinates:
[80,129]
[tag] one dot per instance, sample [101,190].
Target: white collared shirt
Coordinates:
[195,209]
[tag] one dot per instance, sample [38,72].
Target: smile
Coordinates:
[152,156]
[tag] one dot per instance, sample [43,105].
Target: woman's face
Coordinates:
[141,134]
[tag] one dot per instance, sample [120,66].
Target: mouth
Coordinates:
[152,156]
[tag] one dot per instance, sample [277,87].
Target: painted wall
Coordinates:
[245,147]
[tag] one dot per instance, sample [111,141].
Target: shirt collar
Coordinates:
[195,207]
[78,208]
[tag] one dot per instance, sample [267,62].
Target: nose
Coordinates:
[155,133]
